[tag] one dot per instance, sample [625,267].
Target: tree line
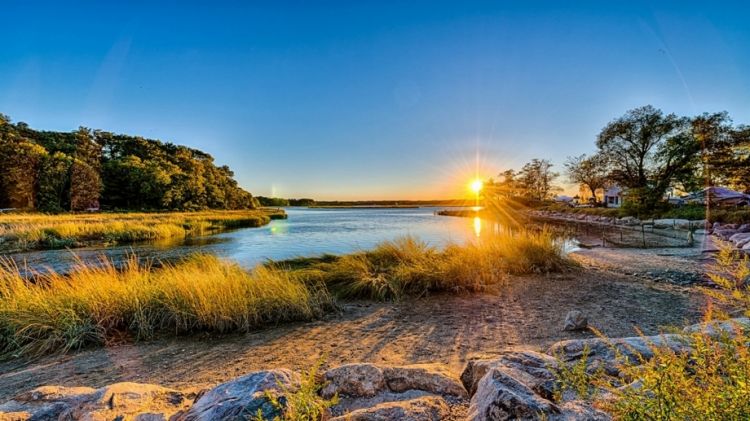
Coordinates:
[647,152]
[88,169]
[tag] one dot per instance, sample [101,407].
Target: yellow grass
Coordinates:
[35,231]
[99,304]
[96,305]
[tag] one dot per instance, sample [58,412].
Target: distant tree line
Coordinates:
[84,169]
[646,152]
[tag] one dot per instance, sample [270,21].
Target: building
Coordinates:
[613,197]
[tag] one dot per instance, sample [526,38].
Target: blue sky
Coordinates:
[359,99]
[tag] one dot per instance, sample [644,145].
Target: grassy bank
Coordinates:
[28,231]
[100,305]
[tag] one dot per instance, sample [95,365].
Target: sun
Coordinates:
[476,185]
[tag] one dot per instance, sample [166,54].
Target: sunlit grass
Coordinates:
[36,231]
[101,304]
[95,305]
[410,267]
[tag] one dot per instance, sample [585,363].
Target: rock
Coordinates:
[355,380]
[740,239]
[609,354]
[242,397]
[432,378]
[743,228]
[530,367]
[427,408]
[116,401]
[500,396]
[716,328]
[368,380]
[579,411]
[130,401]
[575,320]
[45,403]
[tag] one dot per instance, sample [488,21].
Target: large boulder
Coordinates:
[355,380]
[740,239]
[610,354]
[427,408]
[500,396]
[717,328]
[130,401]
[368,380]
[45,403]
[117,401]
[245,396]
[534,369]
[432,378]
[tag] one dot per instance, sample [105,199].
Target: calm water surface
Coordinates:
[307,232]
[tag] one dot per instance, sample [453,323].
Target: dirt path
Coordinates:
[444,328]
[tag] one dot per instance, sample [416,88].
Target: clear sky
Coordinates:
[369,99]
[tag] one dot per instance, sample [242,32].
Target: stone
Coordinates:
[609,354]
[130,400]
[355,380]
[45,403]
[245,396]
[716,328]
[534,369]
[500,396]
[575,320]
[427,408]
[579,411]
[116,401]
[432,378]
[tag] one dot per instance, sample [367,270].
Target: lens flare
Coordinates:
[476,186]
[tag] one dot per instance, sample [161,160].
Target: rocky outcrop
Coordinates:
[244,396]
[510,385]
[610,354]
[427,408]
[117,401]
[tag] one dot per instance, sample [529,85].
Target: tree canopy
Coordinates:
[58,171]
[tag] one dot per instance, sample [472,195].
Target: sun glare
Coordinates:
[476,186]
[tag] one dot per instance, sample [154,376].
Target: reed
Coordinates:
[40,231]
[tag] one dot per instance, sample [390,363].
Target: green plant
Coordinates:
[575,377]
[303,403]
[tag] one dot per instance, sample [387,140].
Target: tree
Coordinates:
[536,178]
[54,182]
[589,171]
[19,160]
[646,151]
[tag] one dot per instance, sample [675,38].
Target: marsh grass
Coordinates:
[40,231]
[96,305]
[408,267]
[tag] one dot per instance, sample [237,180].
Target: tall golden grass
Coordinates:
[410,267]
[35,231]
[99,304]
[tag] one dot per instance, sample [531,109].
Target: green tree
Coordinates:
[646,150]
[536,179]
[589,171]
[54,182]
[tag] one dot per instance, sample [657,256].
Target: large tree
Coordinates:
[536,179]
[589,171]
[646,150]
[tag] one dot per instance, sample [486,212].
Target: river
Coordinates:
[307,232]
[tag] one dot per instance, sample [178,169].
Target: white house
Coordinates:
[613,197]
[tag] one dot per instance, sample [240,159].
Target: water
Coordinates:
[307,232]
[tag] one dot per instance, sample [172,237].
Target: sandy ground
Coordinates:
[442,328]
